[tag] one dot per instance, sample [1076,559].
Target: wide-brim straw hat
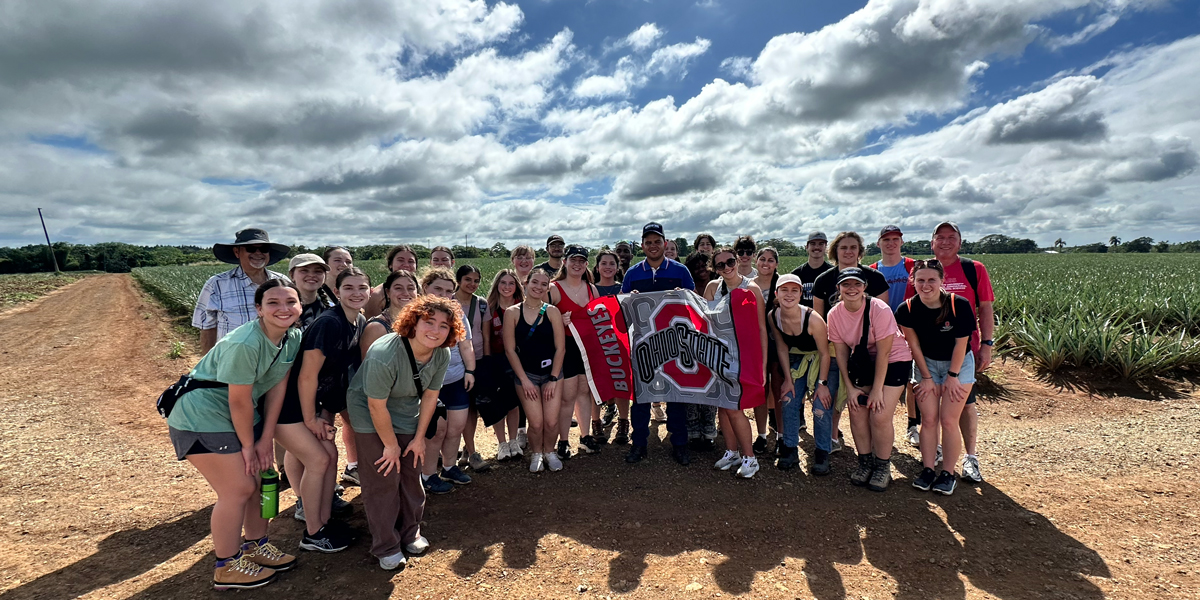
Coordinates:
[250,237]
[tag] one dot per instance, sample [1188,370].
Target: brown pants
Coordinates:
[394,504]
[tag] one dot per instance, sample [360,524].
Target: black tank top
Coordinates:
[803,342]
[537,349]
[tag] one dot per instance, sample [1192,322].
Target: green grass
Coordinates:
[25,287]
[1133,315]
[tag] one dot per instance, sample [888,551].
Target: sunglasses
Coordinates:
[257,249]
[728,264]
[926,264]
[745,252]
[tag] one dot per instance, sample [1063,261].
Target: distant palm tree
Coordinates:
[1059,243]
[1114,241]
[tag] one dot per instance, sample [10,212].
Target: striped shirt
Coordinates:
[227,301]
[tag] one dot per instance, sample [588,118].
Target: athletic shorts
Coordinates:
[573,361]
[538,380]
[188,443]
[454,395]
[897,374]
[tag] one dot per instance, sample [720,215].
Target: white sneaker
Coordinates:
[732,459]
[748,468]
[939,456]
[970,469]
[657,413]
[522,439]
[514,450]
[418,546]
[393,562]
[538,463]
[553,462]
[913,436]
[502,452]
[299,514]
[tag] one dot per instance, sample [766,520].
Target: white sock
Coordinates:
[353,465]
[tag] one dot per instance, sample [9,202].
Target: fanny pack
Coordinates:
[166,400]
[861,366]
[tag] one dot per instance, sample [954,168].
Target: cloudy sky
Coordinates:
[377,121]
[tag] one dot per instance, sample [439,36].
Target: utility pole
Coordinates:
[48,246]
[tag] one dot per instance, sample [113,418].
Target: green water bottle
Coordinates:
[270,493]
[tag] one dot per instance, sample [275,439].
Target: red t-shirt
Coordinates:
[956,283]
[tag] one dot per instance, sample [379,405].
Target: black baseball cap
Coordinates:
[854,273]
[554,238]
[653,227]
[574,250]
[817,235]
[890,229]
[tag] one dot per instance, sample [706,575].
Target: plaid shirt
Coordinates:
[227,301]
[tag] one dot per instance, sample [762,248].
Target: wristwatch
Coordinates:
[988,342]
[824,382]
[556,377]
[952,374]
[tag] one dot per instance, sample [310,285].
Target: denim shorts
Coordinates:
[939,368]
[454,395]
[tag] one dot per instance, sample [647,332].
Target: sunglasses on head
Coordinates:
[257,249]
[727,264]
[926,264]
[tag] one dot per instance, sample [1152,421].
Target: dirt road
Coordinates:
[1086,497]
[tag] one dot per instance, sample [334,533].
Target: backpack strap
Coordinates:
[536,321]
[412,363]
[972,274]
[875,265]
[908,264]
[953,309]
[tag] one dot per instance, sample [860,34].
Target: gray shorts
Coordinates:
[534,378]
[208,442]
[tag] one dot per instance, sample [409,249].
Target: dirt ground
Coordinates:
[1090,493]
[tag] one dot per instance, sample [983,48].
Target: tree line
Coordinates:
[118,257]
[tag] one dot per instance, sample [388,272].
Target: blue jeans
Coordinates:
[639,417]
[822,418]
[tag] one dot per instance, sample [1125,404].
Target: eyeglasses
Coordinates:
[257,249]
[728,264]
[745,252]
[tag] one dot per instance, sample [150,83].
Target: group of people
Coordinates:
[404,361]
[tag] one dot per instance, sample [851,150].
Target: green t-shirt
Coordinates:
[243,357]
[386,373]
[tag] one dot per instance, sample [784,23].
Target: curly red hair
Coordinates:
[423,307]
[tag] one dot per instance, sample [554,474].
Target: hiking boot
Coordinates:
[340,508]
[913,436]
[264,554]
[945,483]
[622,435]
[881,476]
[393,562]
[636,454]
[477,464]
[436,485]
[821,464]
[589,445]
[789,460]
[681,455]
[924,481]
[866,464]
[970,469]
[237,573]
[598,432]
[731,459]
[610,414]
[564,451]
[538,463]
[456,476]
[760,445]
[323,541]
[350,475]
[748,468]
[418,546]
[553,463]
[657,413]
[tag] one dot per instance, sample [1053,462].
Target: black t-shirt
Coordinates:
[825,287]
[808,276]
[548,269]
[337,339]
[937,337]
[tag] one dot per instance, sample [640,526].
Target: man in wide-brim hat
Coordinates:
[227,299]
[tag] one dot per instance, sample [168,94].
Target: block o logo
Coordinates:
[698,377]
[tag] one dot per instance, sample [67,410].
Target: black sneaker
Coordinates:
[340,508]
[350,475]
[925,480]
[760,445]
[790,458]
[945,483]
[610,414]
[636,454]
[323,541]
[589,445]
[821,464]
[681,455]
[564,450]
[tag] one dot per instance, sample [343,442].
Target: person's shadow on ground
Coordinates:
[923,542]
